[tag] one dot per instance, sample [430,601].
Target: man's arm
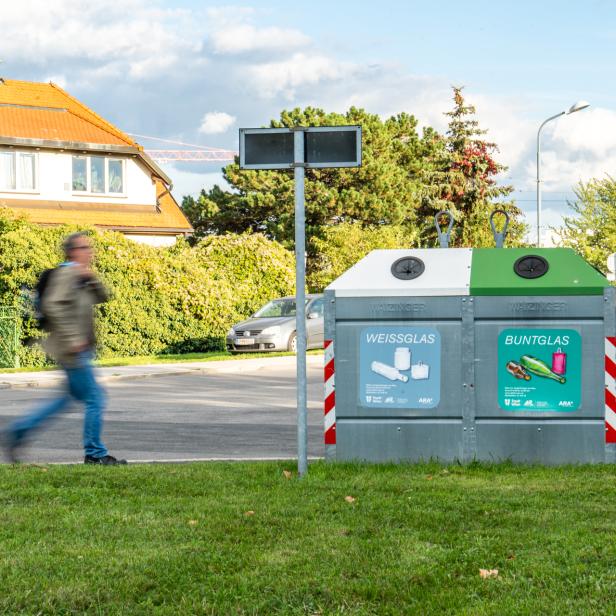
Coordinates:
[101,294]
[59,307]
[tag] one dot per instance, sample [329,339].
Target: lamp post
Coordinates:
[575,107]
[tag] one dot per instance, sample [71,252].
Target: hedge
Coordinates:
[164,300]
[345,244]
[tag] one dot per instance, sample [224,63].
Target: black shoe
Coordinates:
[10,444]
[106,460]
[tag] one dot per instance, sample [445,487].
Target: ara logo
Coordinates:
[507,402]
[566,403]
[368,399]
[425,400]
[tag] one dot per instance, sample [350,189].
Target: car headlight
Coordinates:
[271,331]
[231,332]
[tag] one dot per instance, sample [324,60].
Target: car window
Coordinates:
[277,308]
[317,306]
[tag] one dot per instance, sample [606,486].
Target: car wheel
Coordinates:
[292,344]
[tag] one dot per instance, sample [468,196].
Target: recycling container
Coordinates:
[462,354]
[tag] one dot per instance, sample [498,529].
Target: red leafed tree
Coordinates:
[464,180]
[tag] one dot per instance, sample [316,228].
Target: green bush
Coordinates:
[164,300]
[345,244]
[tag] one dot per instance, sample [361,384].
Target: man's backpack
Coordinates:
[39,292]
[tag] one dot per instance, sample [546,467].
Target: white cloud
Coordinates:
[216,122]
[590,130]
[285,77]
[560,171]
[59,80]
[576,147]
[132,36]
[222,16]
[507,126]
[243,38]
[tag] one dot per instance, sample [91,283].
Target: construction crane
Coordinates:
[165,156]
[202,154]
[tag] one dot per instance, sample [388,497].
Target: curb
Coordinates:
[178,461]
[230,366]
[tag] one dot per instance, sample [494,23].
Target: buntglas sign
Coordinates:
[300,148]
[539,370]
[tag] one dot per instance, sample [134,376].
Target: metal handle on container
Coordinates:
[444,236]
[499,236]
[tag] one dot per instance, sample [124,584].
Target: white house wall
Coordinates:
[54,182]
[158,241]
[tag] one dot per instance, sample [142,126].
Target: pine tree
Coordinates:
[462,180]
[385,190]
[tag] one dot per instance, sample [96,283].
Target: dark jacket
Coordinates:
[68,303]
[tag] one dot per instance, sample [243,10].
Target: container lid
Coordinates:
[406,272]
[533,271]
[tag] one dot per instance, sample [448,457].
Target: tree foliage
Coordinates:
[385,190]
[463,180]
[591,231]
[406,177]
[343,245]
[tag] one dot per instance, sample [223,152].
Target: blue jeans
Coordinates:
[82,386]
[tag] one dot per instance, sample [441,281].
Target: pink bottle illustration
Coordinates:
[559,362]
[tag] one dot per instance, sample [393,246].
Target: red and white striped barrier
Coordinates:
[610,389]
[330,394]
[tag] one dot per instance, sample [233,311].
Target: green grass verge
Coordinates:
[179,539]
[141,360]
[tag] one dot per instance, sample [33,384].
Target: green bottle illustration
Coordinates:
[536,366]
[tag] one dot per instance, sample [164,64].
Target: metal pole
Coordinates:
[539,175]
[539,188]
[300,304]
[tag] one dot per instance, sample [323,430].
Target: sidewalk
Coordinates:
[52,378]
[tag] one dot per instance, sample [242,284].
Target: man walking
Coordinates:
[67,303]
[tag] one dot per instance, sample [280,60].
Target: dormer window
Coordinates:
[17,171]
[98,175]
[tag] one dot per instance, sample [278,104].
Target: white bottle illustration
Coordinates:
[389,372]
[420,371]
[402,358]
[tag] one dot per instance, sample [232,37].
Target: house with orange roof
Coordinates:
[61,163]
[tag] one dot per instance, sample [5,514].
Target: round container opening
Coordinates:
[408,268]
[531,266]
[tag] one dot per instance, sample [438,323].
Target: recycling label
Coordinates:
[400,367]
[539,370]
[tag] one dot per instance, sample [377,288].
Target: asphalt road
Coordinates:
[194,416]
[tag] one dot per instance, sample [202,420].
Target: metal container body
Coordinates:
[557,436]
[472,419]
[402,433]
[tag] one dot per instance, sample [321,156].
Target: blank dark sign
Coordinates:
[332,148]
[265,148]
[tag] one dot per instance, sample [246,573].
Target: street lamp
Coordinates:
[575,107]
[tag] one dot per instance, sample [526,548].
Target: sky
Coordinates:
[196,71]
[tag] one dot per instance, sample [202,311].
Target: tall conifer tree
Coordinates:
[462,179]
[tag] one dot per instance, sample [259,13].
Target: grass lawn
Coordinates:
[140,360]
[241,538]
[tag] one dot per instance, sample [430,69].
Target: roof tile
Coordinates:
[55,125]
[51,96]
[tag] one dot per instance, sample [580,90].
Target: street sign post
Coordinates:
[300,148]
[611,267]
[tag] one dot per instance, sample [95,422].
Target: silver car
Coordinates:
[272,328]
